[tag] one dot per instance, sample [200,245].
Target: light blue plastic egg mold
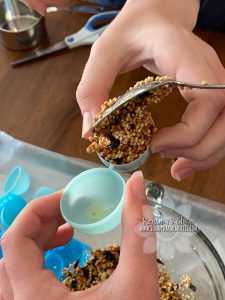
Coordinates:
[61,257]
[42,191]
[10,206]
[17,181]
[92,201]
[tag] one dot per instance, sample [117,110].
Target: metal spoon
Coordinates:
[131,94]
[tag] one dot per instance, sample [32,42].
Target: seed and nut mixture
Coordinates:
[103,262]
[126,133]
[170,290]
[98,268]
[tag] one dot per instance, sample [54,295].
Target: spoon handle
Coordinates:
[199,86]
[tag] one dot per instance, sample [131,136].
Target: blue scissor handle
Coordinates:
[87,35]
[99,17]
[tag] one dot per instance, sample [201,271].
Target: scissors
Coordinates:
[87,35]
[89,9]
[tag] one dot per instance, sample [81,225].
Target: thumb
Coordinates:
[138,249]
[97,79]
[6,292]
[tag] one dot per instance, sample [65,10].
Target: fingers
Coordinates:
[97,79]
[38,5]
[196,121]
[183,167]
[6,292]
[37,214]
[198,138]
[41,5]
[61,237]
[137,250]
[25,240]
[204,107]
[211,143]
[133,214]
[110,55]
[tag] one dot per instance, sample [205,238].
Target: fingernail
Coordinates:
[176,177]
[87,121]
[160,150]
[152,149]
[166,155]
[138,185]
[182,174]
[173,160]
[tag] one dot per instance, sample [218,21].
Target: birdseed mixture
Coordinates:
[126,133]
[103,262]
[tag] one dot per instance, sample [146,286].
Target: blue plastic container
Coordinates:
[42,191]
[54,262]
[10,206]
[17,181]
[60,257]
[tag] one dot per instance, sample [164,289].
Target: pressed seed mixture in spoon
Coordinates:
[127,133]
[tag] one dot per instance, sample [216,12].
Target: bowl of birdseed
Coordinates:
[122,140]
[190,259]
[172,286]
[103,262]
[189,267]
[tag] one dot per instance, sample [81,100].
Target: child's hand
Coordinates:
[159,37]
[40,226]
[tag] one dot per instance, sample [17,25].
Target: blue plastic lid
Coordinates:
[73,251]
[42,191]
[10,206]
[61,257]
[17,181]
[54,262]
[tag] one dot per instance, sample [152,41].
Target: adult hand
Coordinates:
[41,5]
[159,37]
[40,226]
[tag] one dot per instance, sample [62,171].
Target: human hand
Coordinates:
[22,274]
[162,41]
[41,5]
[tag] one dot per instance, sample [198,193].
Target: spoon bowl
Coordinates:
[131,94]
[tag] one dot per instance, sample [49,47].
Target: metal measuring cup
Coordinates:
[20,26]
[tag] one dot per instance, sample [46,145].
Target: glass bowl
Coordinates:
[182,252]
[185,249]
